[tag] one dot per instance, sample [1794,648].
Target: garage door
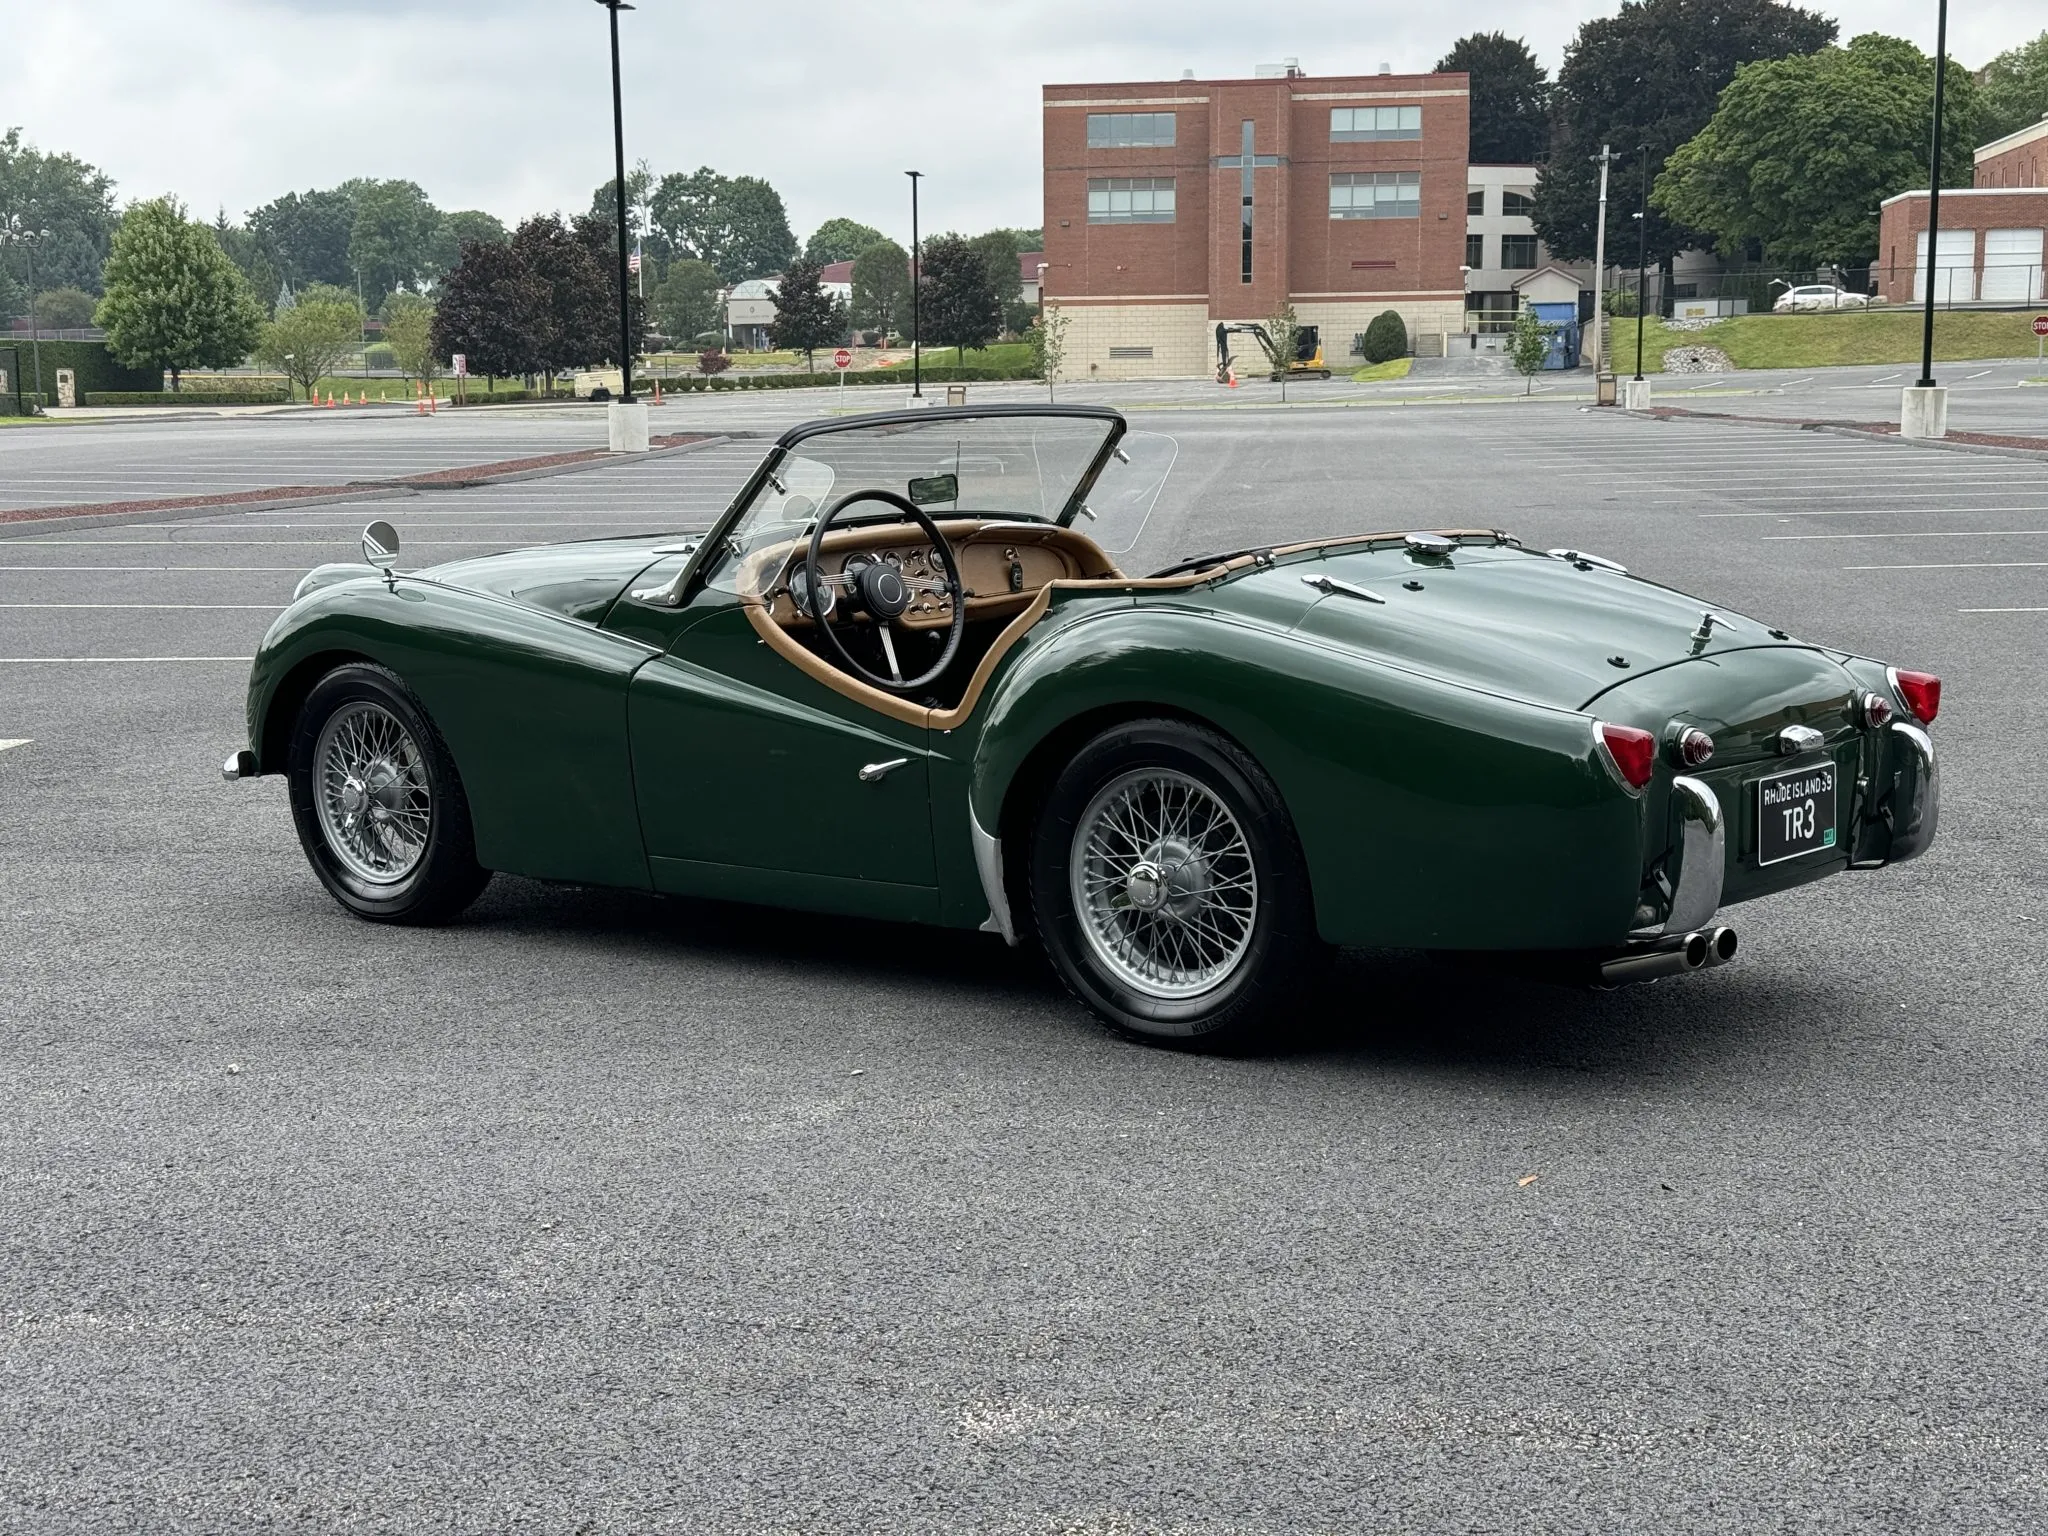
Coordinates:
[1955,278]
[2012,265]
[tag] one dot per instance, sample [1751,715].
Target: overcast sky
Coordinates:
[505,104]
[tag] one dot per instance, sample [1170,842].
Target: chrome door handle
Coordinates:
[874,771]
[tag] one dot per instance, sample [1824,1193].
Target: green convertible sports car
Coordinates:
[903,676]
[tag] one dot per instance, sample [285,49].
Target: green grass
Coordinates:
[30,421]
[1393,368]
[1831,340]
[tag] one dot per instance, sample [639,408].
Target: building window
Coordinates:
[1517,205]
[1130,130]
[1475,203]
[1517,252]
[1355,125]
[1475,250]
[1130,200]
[1376,195]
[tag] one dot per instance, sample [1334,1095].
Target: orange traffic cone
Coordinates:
[330,400]
[433,405]
[1233,378]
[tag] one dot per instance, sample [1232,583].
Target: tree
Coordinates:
[601,238]
[309,340]
[881,288]
[63,309]
[840,240]
[391,238]
[1048,340]
[960,307]
[174,300]
[1802,150]
[604,206]
[2015,91]
[806,317]
[1510,102]
[493,310]
[686,302]
[409,329]
[1283,330]
[74,201]
[1529,345]
[736,223]
[577,323]
[1650,76]
[457,230]
[306,234]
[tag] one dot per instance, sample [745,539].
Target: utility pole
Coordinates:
[1642,261]
[916,297]
[1600,262]
[1923,411]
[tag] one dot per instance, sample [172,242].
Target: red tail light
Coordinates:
[1921,693]
[1633,752]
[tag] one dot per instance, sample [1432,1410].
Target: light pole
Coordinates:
[1600,260]
[619,202]
[1924,410]
[1642,260]
[916,297]
[17,233]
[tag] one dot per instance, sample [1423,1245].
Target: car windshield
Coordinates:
[1025,467]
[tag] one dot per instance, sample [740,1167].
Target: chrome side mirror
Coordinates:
[380,548]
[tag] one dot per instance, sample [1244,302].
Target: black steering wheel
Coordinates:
[881,590]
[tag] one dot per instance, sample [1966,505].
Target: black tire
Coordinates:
[1278,955]
[439,876]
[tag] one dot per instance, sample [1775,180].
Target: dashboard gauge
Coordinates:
[810,605]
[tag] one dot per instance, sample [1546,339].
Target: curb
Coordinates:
[380,490]
[1849,430]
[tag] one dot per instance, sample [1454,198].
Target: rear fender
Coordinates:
[1430,815]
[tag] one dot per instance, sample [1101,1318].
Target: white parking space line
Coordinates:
[11,661]
[1969,376]
[2002,610]
[1788,515]
[1960,533]
[174,570]
[8,744]
[181,607]
[1956,565]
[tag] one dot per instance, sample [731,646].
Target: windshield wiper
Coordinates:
[1261,553]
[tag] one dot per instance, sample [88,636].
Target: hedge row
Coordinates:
[189,397]
[944,373]
[94,365]
[510,396]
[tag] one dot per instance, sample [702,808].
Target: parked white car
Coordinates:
[1819,296]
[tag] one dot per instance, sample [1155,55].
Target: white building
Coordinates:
[750,306]
[1502,252]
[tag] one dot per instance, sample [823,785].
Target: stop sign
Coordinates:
[844,359]
[2041,325]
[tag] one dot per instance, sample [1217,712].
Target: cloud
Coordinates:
[506,105]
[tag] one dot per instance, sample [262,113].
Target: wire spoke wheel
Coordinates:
[371,793]
[1163,883]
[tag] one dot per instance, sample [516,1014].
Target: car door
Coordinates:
[757,782]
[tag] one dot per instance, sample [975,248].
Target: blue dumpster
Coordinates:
[1563,319]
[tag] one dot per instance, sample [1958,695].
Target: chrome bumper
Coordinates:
[1914,808]
[1702,856]
[240,765]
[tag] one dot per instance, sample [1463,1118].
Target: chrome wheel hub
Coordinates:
[1163,884]
[370,792]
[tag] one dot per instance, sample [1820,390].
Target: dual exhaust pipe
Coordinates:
[1699,950]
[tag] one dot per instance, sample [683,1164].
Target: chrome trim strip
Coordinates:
[1913,830]
[988,863]
[1703,855]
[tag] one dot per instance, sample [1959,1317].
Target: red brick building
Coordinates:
[1172,205]
[1994,234]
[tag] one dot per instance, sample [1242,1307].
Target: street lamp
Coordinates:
[1924,410]
[1642,260]
[619,200]
[15,232]
[916,297]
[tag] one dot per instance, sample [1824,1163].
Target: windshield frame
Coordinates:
[714,540]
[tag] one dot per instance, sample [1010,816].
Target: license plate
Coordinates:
[1795,813]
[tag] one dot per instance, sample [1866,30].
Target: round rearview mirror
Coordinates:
[380,545]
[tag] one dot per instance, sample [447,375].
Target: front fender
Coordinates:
[532,706]
[1431,815]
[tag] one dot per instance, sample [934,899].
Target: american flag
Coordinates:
[633,262]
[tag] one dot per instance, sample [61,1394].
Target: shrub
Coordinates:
[1386,338]
[1620,302]
[186,397]
[378,354]
[96,369]
[712,362]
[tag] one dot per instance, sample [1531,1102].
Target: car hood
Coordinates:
[1509,620]
[579,581]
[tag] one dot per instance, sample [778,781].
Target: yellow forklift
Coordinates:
[1307,362]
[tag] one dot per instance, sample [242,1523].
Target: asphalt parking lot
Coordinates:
[595,1213]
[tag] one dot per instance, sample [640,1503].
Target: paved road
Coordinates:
[595,1213]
